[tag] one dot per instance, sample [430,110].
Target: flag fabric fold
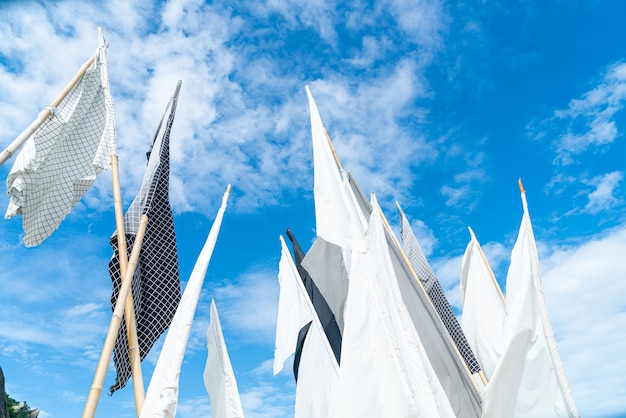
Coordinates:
[156,282]
[64,156]
[162,395]
[385,370]
[529,379]
[484,308]
[219,378]
[426,275]
[449,366]
[322,309]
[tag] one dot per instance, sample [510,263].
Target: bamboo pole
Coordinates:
[44,114]
[116,320]
[131,324]
[332,148]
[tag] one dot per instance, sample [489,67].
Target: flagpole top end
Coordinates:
[521,186]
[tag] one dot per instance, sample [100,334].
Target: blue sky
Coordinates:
[439,105]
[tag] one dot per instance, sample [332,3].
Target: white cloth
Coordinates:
[318,371]
[162,395]
[219,378]
[62,159]
[384,369]
[529,380]
[334,221]
[483,308]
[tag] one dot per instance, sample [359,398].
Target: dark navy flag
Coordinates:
[156,282]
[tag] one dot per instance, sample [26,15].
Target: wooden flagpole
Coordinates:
[44,114]
[332,148]
[116,321]
[131,324]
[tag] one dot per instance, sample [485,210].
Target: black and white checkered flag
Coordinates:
[426,275]
[156,282]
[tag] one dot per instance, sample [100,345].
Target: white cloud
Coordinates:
[584,290]
[602,198]
[249,306]
[588,122]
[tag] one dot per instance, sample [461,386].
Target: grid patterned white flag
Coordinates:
[65,155]
[427,276]
[156,282]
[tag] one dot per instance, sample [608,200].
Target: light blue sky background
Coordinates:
[441,105]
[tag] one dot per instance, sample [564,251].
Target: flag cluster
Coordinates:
[373,334]
[66,149]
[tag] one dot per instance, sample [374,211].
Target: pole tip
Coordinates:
[521,186]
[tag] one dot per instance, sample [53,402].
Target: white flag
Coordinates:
[318,371]
[162,395]
[334,215]
[219,378]
[293,312]
[529,380]
[62,159]
[484,309]
[384,368]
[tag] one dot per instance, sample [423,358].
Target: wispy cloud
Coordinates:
[249,305]
[242,118]
[588,123]
[602,197]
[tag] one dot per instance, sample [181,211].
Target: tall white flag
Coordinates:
[529,380]
[162,395]
[219,378]
[385,371]
[334,214]
[65,155]
[484,308]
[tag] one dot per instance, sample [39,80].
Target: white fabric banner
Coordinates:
[219,378]
[334,222]
[384,369]
[318,372]
[62,159]
[162,395]
[293,312]
[529,380]
[484,309]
